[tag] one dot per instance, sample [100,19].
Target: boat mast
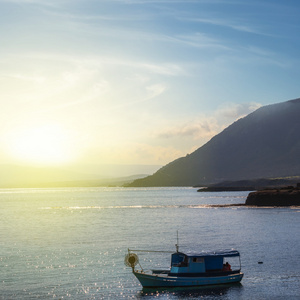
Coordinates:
[177,245]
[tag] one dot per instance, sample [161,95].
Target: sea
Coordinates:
[70,243]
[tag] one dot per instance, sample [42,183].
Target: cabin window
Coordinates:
[179,260]
[199,260]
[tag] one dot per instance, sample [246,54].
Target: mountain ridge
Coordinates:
[263,144]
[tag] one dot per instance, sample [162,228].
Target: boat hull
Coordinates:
[157,280]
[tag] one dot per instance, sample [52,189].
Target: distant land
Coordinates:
[16,176]
[264,144]
[251,185]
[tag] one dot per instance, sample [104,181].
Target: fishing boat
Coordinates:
[189,269]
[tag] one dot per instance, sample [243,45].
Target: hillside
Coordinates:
[251,184]
[264,144]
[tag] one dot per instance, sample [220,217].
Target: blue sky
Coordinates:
[137,82]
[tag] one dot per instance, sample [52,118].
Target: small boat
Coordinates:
[189,269]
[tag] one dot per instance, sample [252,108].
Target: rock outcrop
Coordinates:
[251,185]
[286,196]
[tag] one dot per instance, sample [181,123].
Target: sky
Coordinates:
[137,81]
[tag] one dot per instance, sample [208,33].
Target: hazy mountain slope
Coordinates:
[266,143]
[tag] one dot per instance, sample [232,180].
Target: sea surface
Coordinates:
[70,243]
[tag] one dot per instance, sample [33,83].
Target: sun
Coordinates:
[41,145]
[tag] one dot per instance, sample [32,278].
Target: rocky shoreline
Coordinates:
[286,196]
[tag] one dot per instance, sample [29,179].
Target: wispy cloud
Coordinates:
[166,1]
[208,126]
[50,3]
[94,61]
[234,111]
[201,40]
[205,127]
[235,25]
[99,25]
[151,92]
[78,81]
[25,77]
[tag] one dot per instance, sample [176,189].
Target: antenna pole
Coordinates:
[177,245]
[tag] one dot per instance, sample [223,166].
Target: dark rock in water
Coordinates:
[226,189]
[286,196]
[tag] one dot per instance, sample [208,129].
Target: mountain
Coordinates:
[264,144]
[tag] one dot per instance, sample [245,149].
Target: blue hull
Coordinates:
[163,280]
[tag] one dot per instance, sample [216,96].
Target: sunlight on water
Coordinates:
[70,243]
[133,207]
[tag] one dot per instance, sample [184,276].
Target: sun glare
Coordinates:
[48,144]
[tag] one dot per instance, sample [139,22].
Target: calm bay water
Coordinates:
[70,243]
